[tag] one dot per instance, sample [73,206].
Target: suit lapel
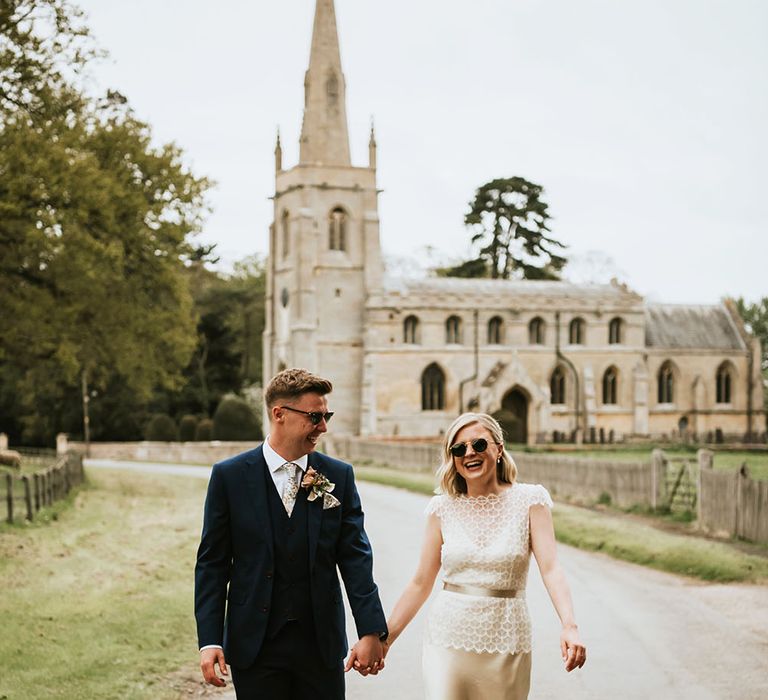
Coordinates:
[255,475]
[314,515]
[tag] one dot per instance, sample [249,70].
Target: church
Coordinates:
[555,361]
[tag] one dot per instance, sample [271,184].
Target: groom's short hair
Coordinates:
[292,383]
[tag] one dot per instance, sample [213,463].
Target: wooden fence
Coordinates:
[733,504]
[54,477]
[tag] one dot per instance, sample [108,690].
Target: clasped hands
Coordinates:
[367,656]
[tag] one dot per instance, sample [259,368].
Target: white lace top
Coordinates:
[486,543]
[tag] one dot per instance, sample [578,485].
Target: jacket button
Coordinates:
[264,609]
[269,574]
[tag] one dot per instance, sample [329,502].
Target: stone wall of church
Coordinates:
[396,369]
[694,408]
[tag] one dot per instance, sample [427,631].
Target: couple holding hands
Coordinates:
[281,519]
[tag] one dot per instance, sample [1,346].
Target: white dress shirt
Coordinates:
[275,461]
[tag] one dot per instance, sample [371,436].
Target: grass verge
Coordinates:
[621,537]
[99,604]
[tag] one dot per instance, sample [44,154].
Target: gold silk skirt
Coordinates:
[455,674]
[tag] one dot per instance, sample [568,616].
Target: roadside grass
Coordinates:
[620,536]
[644,544]
[99,604]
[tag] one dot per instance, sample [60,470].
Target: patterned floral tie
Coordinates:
[291,487]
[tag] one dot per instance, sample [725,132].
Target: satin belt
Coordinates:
[483,592]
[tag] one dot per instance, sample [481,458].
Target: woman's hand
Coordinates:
[573,651]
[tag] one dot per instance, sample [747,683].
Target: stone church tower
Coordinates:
[324,252]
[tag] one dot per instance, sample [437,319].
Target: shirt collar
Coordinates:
[275,461]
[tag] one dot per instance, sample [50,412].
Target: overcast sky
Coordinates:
[644,120]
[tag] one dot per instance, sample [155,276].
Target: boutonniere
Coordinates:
[318,485]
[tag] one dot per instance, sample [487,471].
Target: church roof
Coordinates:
[442,286]
[690,326]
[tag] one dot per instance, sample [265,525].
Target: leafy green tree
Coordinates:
[227,358]
[510,221]
[755,317]
[44,45]
[95,233]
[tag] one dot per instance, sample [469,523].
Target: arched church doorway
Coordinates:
[513,416]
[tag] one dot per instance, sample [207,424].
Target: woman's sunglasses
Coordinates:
[314,416]
[460,448]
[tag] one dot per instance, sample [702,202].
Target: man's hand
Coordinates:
[208,660]
[367,656]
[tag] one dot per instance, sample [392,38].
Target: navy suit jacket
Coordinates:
[235,561]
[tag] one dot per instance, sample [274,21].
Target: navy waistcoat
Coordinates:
[291,596]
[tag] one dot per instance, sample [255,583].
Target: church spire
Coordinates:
[324,137]
[278,153]
[372,148]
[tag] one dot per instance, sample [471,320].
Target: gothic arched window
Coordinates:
[615,328]
[666,382]
[610,381]
[723,384]
[536,331]
[453,331]
[495,331]
[286,232]
[432,389]
[411,331]
[337,229]
[576,332]
[557,386]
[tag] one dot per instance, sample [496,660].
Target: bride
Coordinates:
[481,530]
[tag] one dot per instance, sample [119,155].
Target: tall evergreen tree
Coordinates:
[510,221]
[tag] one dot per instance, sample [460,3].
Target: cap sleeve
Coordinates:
[435,506]
[537,495]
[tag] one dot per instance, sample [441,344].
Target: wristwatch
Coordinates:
[383,636]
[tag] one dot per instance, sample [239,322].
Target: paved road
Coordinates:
[649,635]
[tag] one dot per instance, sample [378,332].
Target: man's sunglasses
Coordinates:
[460,448]
[314,416]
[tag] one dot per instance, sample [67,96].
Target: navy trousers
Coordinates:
[289,667]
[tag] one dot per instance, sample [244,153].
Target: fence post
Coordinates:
[28,497]
[9,488]
[741,476]
[705,458]
[657,470]
[36,478]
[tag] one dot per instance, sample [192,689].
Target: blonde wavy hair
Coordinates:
[449,481]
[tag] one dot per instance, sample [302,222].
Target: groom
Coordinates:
[278,521]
